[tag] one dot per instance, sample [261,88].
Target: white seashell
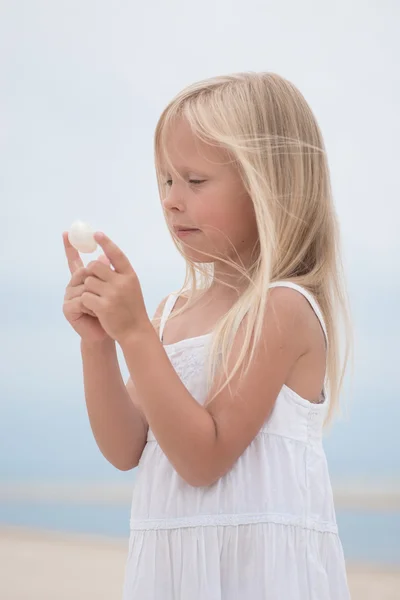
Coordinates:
[81,237]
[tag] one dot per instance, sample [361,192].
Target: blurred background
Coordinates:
[82,85]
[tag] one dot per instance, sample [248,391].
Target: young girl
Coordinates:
[228,390]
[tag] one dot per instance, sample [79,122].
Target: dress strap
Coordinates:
[168,306]
[314,304]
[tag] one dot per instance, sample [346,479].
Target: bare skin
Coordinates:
[117,422]
[202,442]
[220,203]
[206,192]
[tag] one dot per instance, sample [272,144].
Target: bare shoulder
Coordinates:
[288,316]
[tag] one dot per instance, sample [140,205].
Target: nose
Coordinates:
[174,198]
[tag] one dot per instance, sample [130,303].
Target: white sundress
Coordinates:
[266,530]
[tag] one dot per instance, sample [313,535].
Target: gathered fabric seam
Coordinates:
[225,520]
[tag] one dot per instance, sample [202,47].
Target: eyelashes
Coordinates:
[191,181]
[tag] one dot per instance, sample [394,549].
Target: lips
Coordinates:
[183,232]
[178,229]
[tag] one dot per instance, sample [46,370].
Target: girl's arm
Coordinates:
[117,421]
[117,425]
[203,443]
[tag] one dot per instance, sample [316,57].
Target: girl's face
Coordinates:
[206,193]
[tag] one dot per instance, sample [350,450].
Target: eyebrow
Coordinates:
[184,169]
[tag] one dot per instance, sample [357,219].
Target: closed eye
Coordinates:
[191,181]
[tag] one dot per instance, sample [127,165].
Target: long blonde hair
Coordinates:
[269,130]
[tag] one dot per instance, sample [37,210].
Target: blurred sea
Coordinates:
[367,536]
[51,443]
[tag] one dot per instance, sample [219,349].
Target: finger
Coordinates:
[75,306]
[78,277]
[95,285]
[103,258]
[87,311]
[73,258]
[101,270]
[115,255]
[91,302]
[74,291]
[74,294]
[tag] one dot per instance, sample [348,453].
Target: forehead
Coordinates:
[184,150]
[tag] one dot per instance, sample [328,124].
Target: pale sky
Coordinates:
[82,85]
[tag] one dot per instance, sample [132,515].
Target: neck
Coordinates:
[228,278]
[228,283]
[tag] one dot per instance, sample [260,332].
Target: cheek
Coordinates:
[237,220]
[225,214]
[245,216]
[211,214]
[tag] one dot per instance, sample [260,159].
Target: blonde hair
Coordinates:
[269,130]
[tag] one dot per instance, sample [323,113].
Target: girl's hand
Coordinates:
[84,321]
[115,296]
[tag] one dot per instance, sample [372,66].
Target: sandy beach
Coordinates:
[39,565]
